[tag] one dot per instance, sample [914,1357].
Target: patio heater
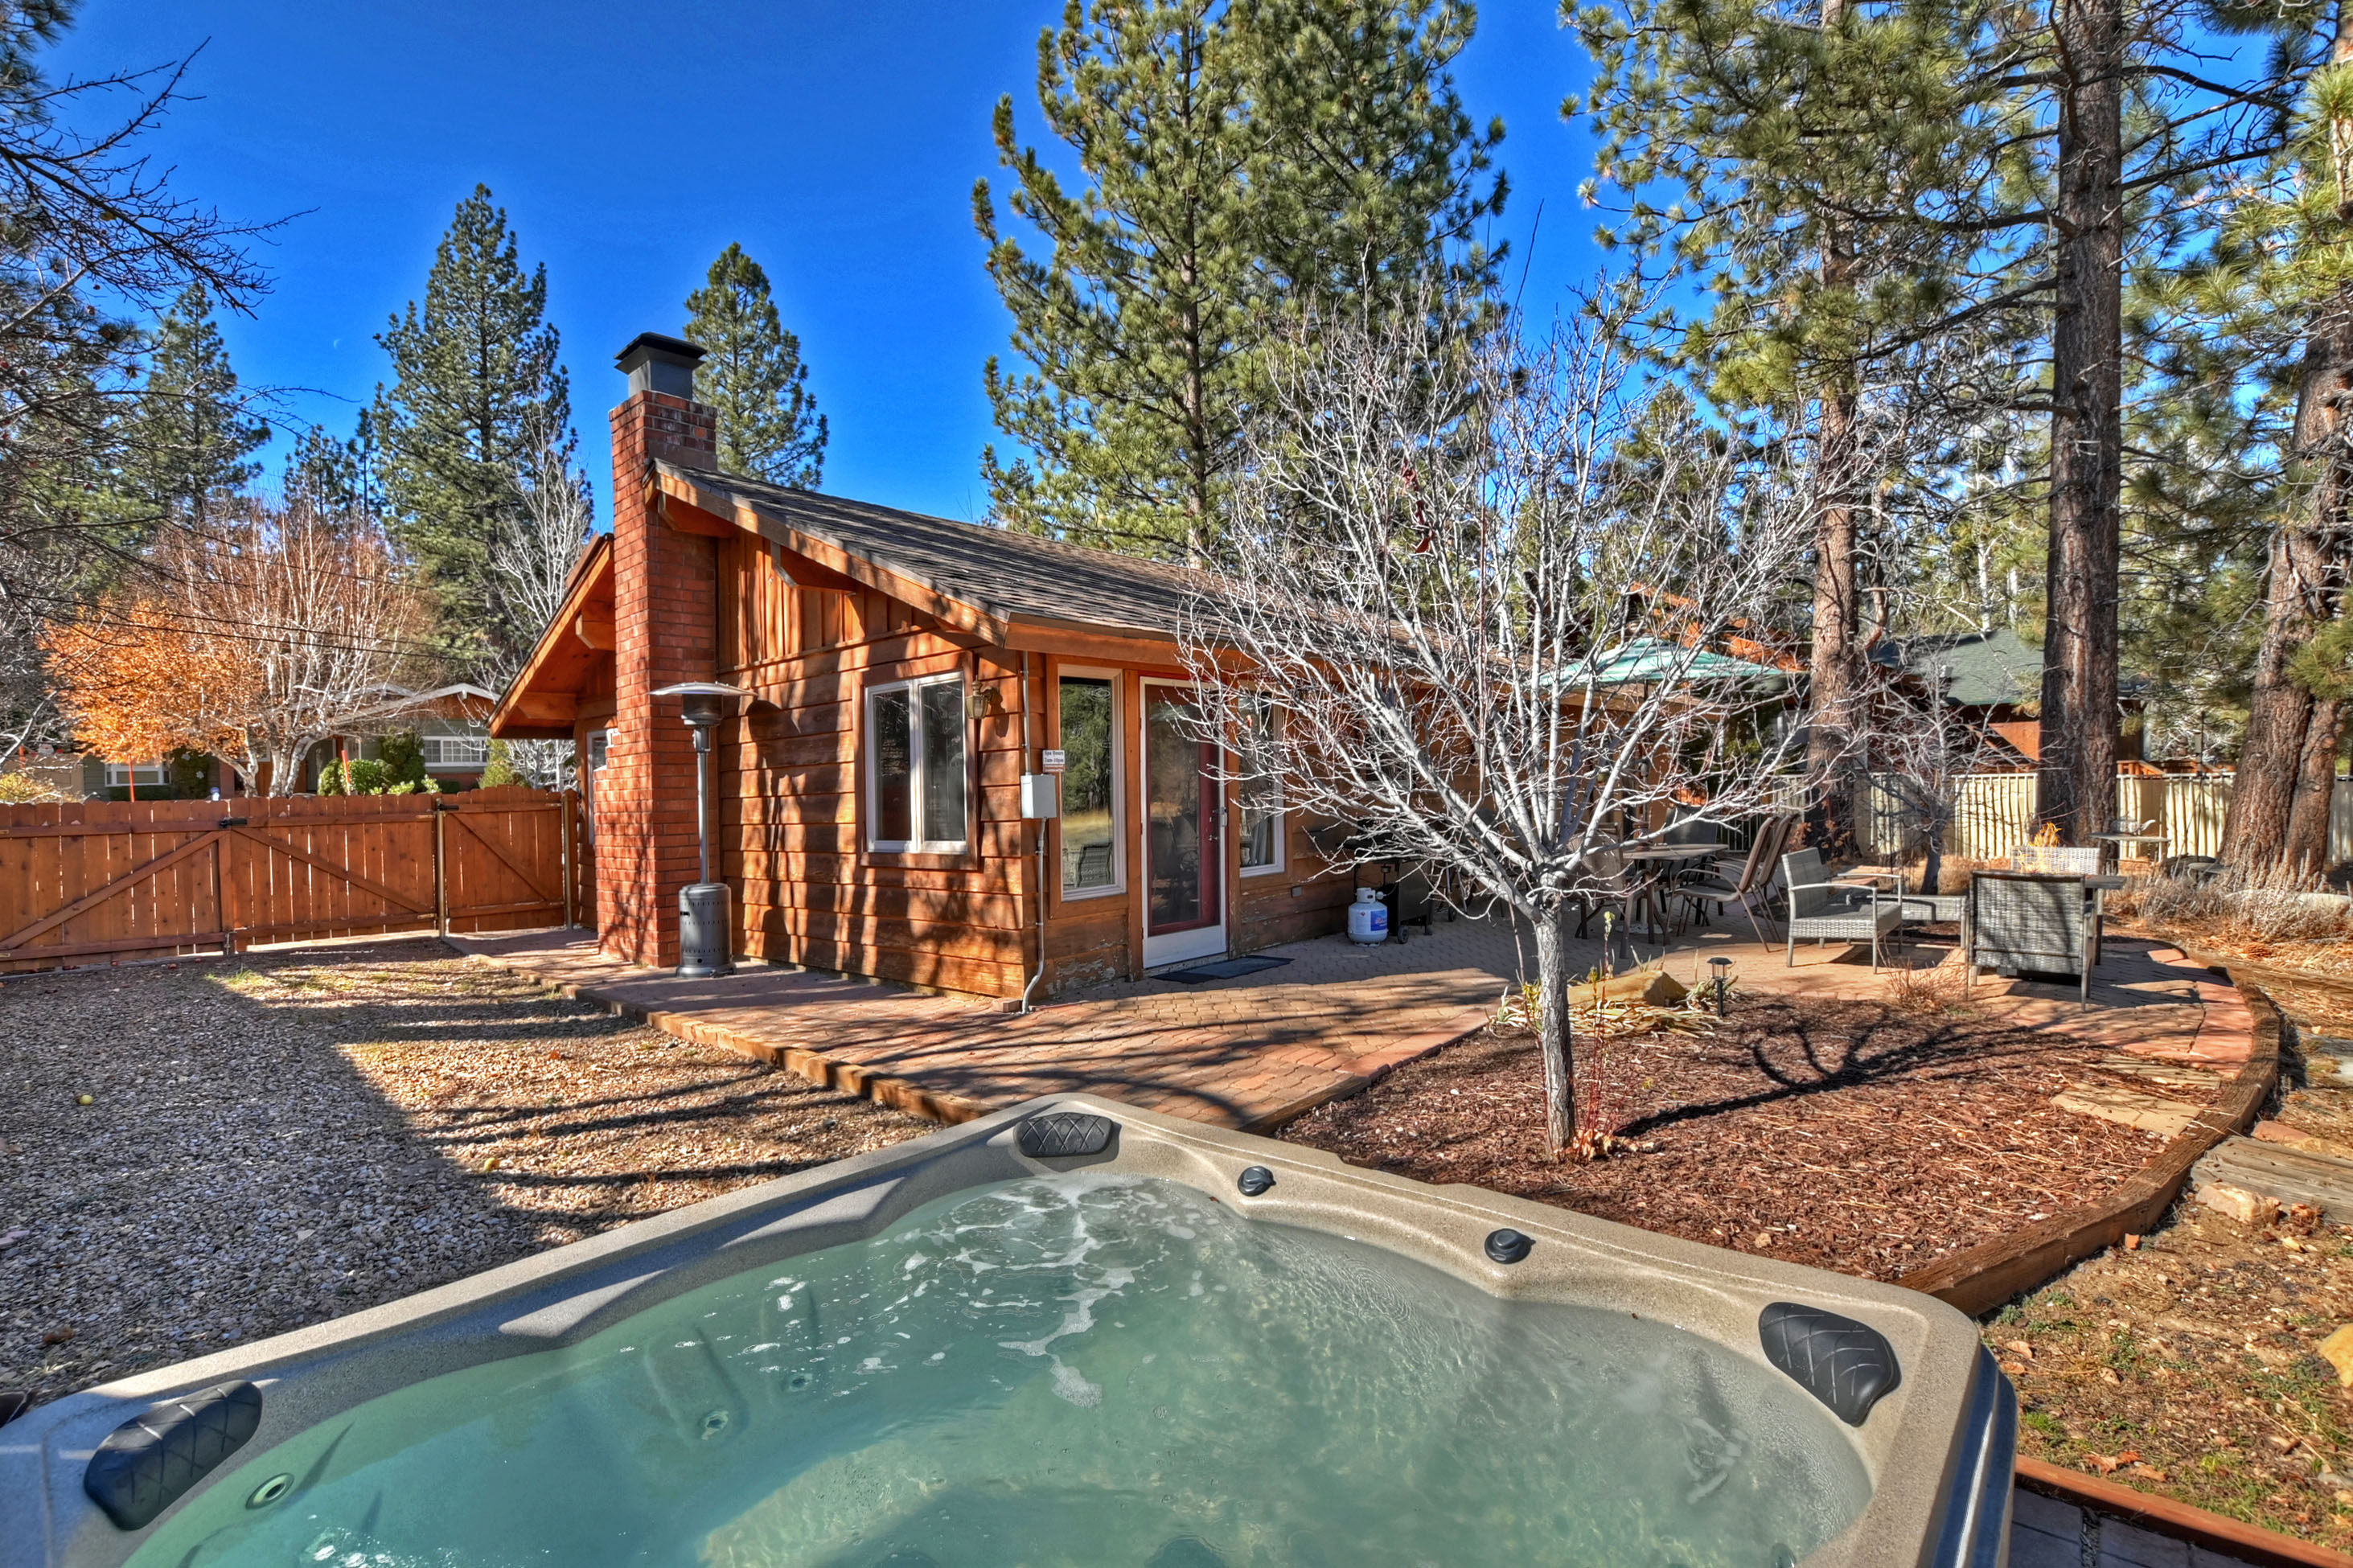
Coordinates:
[703,947]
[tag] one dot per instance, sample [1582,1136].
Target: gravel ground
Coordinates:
[297,1135]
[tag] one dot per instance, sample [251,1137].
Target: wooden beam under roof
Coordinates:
[680,488]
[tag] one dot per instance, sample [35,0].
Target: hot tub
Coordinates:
[1071,1333]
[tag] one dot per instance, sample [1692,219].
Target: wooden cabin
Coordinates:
[905,672]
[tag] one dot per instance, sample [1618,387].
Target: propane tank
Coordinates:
[1368,918]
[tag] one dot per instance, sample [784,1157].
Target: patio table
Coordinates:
[2120,840]
[1648,916]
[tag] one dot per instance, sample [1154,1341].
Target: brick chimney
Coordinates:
[665,630]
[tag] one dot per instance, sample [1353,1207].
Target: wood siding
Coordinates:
[792,835]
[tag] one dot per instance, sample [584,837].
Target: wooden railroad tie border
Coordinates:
[883,1089]
[1983,1277]
[2225,1537]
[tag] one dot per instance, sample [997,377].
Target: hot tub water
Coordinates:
[1082,1370]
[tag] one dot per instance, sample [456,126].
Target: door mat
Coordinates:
[1225,971]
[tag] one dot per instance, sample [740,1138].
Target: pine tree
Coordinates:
[333,479]
[188,438]
[1241,163]
[479,393]
[1772,131]
[2279,286]
[752,373]
[1883,175]
[1381,181]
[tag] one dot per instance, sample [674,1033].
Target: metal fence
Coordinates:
[1995,813]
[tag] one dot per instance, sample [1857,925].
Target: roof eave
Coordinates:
[596,569]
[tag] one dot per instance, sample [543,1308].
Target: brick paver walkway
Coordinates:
[1248,1052]
[1256,1050]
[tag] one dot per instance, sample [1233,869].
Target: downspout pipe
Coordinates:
[1029,703]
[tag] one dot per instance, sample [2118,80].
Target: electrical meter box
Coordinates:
[1039,797]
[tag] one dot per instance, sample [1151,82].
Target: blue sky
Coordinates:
[630,142]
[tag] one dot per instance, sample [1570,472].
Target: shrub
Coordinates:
[403,754]
[18,788]
[501,769]
[2257,906]
[365,775]
[331,780]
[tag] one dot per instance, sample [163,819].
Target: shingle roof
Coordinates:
[1004,575]
[1986,669]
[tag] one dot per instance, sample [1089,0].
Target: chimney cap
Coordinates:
[656,362]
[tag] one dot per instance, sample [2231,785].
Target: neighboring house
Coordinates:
[905,672]
[1994,680]
[67,773]
[452,721]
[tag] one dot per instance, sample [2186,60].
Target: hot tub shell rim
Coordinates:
[1914,1457]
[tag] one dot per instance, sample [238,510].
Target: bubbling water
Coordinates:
[1079,1370]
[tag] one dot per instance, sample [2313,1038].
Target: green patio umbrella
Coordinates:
[1645,660]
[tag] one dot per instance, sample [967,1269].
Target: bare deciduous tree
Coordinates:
[1486,597]
[533,562]
[254,643]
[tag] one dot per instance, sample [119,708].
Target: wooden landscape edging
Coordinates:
[2241,1541]
[1983,1277]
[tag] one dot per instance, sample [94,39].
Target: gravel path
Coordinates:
[293,1136]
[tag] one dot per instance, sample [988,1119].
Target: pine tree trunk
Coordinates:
[2283,746]
[1834,723]
[2306,848]
[2289,756]
[1552,1028]
[2080,631]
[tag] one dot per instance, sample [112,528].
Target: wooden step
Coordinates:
[2291,1176]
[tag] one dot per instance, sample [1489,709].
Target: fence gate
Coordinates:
[97,880]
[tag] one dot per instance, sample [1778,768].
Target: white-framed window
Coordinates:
[143,776]
[1093,815]
[456,753]
[1260,797]
[600,746]
[916,789]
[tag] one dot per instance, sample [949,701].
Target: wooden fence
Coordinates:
[107,881]
[1996,812]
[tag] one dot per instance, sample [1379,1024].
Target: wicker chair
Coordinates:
[1830,911]
[2034,923]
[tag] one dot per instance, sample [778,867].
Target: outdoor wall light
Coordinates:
[703,926]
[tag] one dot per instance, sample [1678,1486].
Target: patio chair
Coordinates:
[1830,911]
[2034,923]
[1773,831]
[1750,886]
[1613,882]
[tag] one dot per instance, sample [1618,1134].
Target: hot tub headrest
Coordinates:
[146,1462]
[1847,1365]
[1062,1134]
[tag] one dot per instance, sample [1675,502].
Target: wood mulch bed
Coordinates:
[1844,1134]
